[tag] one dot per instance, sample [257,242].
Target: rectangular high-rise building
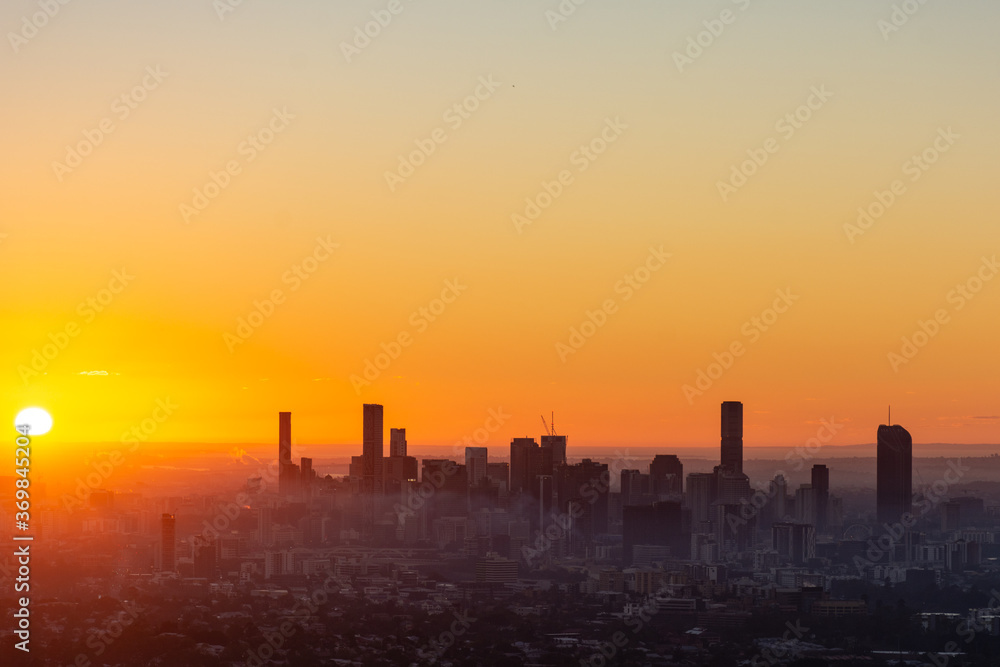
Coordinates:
[372,447]
[666,474]
[582,492]
[287,476]
[475,465]
[894,463]
[284,437]
[499,474]
[525,464]
[821,488]
[732,435]
[168,543]
[397,442]
[554,447]
[398,471]
[794,542]
[701,493]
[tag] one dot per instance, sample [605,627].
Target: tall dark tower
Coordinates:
[821,489]
[371,450]
[894,494]
[286,469]
[732,435]
[371,465]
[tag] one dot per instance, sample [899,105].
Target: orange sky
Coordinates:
[260,113]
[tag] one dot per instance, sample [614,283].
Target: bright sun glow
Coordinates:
[39,421]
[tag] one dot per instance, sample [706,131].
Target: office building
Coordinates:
[701,492]
[732,435]
[287,471]
[525,465]
[894,484]
[821,490]
[372,447]
[582,491]
[794,542]
[553,452]
[666,474]
[475,465]
[397,442]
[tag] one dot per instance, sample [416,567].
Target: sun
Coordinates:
[38,421]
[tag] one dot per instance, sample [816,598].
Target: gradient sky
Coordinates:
[495,346]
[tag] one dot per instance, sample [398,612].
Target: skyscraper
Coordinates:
[821,488]
[372,446]
[894,493]
[732,435]
[475,465]
[287,471]
[168,543]
[582,492]
[555,447]
[631,487]
[701,493]
[525,464]
[397,442]
[794,542]
[285,437]
[666,474]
